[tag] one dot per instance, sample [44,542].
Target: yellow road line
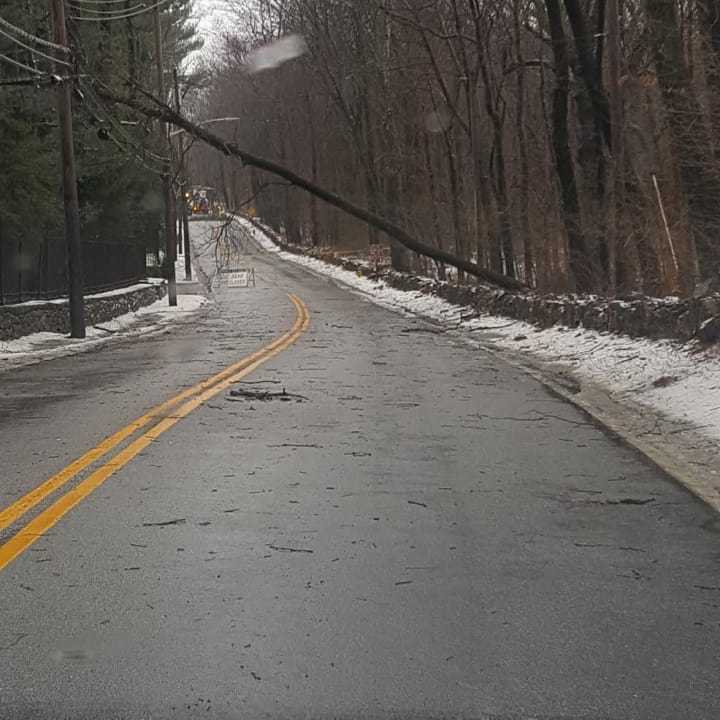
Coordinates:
[14,512]
[34,529]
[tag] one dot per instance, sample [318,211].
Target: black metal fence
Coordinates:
[33,269]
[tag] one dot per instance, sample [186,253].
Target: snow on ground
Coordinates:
[180,270]
[45,345]
[665,376]
[106,294]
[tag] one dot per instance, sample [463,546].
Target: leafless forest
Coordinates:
[572,144]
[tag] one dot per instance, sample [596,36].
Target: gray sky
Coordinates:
[209,15]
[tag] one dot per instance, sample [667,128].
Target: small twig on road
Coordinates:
[279,548]
[432,331]
[265,395]
[630,501]
[482,416]
[296,445]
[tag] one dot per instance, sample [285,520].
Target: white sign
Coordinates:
[238,278]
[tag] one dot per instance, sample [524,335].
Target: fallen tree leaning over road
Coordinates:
[163,112]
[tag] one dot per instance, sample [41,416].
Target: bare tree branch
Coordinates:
[166,114]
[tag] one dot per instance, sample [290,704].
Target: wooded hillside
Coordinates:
[570,143]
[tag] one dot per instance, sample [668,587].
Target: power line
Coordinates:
[38,80]
[100,2]
[88,93]
[141,154]
[21,65]
[32,80]
[107,12]
[121,17]
[33,38]
[33,50]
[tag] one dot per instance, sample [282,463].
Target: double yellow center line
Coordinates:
[169,413]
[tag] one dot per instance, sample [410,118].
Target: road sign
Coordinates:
[240,278]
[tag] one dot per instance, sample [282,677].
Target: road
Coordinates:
[415,530]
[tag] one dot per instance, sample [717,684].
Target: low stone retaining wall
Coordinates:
[54,316]
[656,318]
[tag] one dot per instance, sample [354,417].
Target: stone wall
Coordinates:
[54,316]
[637,316]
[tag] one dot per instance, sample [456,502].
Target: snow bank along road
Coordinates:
[659,396]
[411,529]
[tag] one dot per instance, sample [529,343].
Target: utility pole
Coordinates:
[183,184]
[168,198]
[70,194]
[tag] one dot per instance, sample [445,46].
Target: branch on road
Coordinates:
[161,111]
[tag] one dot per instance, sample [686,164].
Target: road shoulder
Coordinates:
[659,402]
[150,320]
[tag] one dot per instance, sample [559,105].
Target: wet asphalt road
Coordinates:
[425,533]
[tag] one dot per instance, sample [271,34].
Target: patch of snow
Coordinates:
[106,294]
[45,345]
[689,391]
[180,270]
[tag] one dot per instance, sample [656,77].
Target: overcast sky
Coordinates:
[209,15]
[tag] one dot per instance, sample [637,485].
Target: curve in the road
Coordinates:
[170,414]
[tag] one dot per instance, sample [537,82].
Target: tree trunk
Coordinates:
[454,199]
[524,179]
[314,219]
[690,135]
[590,70]
[616,167]
[400,258]
[507,252]
[433,201]
[579,262]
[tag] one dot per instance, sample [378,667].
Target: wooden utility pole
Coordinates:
[70,193]
[167,191]
[183,183]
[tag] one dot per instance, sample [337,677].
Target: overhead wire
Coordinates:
[119,16]
[100,108]
[38,80]
[40,77]
[121,130]
[141,6]
[98,2]
[22,66]
[139,152]
[39,53]
[126,148]
[33,38]
[32,80]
